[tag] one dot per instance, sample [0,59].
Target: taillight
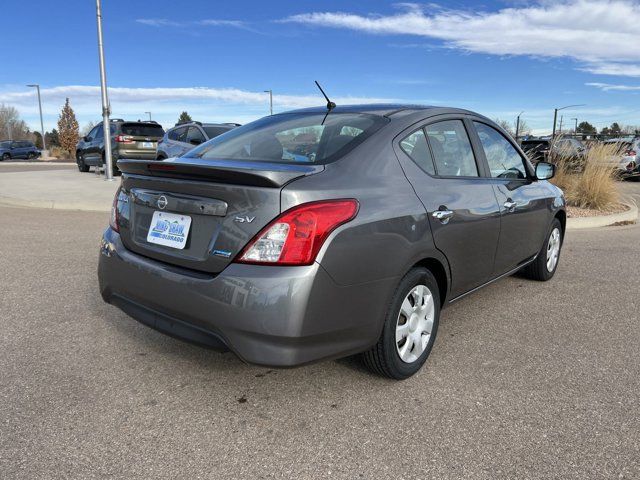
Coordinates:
[114,219]
[124,139]
[296,236]
[630,153]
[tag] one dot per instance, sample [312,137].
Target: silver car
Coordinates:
[328,232]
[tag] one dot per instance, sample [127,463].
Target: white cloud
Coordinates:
[211,22]
[596,32]
[607,87]
[203,103]
[613,68]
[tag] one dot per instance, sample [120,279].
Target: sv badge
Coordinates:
[245,219]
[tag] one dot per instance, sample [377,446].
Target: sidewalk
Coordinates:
[58,189]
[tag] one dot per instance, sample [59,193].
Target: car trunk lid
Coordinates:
[227,202]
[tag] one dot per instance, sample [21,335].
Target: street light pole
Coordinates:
[149,113]
[44,143]
[575,130]
[518,125]
[105,100]
[270,92]
[555,116]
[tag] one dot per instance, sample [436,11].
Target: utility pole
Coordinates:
[105,99]
[561,117]
[518,125]
[148,113]
[575,130]
[270,92]
[44,144]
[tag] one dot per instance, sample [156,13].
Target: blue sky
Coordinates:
[214,59]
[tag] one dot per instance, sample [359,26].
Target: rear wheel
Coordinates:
[544,266]
[31,156]
[409,329]
[83,167]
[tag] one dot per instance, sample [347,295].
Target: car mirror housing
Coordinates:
[545,170]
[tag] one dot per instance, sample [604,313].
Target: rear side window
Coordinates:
[503,159]
[415,145]
[451,149]
[213,132]
[142,130]
[293,138]
[178,134]
[195,136]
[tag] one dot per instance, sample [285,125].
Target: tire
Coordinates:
[83,167]
[6,156]
[31,156]
[385,358]
[543,268]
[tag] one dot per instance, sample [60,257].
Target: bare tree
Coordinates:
[11,126]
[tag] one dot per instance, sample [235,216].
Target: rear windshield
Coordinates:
[142,130]
[292,138]
[213,132]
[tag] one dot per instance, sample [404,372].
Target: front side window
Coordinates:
[451,149]
[99,133]
[178,134]
[415,145]
[213,132]
[293,138]
[503,159]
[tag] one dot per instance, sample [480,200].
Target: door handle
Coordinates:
[443,215]
[510,205]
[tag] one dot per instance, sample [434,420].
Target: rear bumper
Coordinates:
[147,154]
[276,316]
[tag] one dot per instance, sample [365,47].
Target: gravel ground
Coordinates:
[526,380]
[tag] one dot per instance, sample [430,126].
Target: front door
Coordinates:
[524,212]
[463,212]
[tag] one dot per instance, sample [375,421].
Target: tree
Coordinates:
[615,128]
[586,128]
[37,139]
[68,129]
[184,117]
[11,126]
[52,138]
[506,125]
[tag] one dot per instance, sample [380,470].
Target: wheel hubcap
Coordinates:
[415,323]
[553,249]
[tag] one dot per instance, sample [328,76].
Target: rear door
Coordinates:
[195,136]
[524,208]
[463,212]
[178,142]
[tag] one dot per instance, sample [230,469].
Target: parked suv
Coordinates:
[187,135]
[388,214]
[128,140]
[18,149]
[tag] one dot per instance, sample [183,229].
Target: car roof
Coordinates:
[383,109]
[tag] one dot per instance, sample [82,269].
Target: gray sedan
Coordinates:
[327,232]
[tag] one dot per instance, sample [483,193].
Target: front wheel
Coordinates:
[409,329]
[6,156]
[544,266]
[83,167]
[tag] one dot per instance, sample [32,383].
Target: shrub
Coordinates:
[60,153]
[594,186]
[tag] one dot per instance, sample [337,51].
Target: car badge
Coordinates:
[162,202]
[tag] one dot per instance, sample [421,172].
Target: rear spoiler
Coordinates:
[252,173]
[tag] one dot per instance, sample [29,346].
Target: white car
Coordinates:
[628,163]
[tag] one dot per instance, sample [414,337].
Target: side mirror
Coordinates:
[545,171]
[195,141]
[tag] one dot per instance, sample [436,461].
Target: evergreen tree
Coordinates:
[68,129]
[184,117]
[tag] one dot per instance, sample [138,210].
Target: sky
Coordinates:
[215,59]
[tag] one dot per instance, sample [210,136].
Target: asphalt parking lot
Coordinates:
[526,380]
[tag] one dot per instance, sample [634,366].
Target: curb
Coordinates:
[630,215]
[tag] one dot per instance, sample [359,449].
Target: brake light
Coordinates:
[630,153]
[114,218]
[124,139]
[296,236]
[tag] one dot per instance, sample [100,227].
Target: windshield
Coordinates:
[292,138]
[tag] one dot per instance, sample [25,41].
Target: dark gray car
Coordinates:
[319,234]
[185,136]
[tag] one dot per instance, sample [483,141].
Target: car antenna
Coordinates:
[330,105]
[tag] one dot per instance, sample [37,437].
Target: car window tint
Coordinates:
[415,145]
[213,132]
[451,149]
[293,137]
[503,159]
[142,129]
[194,133]
[178,134]
[99,132]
